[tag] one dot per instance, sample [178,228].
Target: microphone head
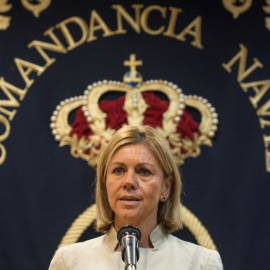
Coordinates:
[129,230]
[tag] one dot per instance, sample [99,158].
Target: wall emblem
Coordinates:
[266,9]
[36,7]
[4,20]
[237,7]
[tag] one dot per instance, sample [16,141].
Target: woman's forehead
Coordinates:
[134,152]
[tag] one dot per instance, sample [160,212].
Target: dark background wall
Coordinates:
[43,188]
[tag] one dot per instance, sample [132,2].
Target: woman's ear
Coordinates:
[167,186]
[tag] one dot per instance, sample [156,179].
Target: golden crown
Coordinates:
[140,104]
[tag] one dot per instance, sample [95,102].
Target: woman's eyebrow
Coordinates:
[139,164]
[117,163]
[146,163]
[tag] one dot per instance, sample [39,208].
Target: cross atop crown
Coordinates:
[133,77]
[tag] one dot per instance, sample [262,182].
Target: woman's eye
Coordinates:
[118,170]
[144,172]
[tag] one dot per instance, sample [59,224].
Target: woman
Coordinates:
[138,183]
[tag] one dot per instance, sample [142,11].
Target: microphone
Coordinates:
[129,237]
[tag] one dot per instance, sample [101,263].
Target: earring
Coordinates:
[163,198]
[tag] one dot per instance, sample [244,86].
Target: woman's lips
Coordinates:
[129,200]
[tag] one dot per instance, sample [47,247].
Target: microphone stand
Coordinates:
[129,237]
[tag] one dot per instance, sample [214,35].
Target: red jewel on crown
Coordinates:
[97,120]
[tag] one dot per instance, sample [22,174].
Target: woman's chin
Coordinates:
[129,217]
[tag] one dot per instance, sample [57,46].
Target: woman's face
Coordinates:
[135,184]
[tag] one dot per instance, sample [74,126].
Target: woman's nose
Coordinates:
[130,181]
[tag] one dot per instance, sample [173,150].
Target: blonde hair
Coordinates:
[168,211]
